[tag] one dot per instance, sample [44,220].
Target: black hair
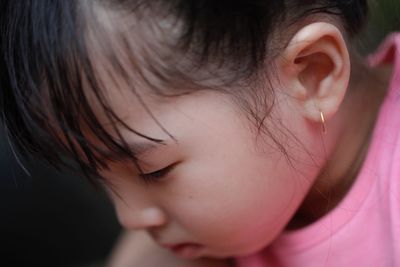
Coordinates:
[46,61]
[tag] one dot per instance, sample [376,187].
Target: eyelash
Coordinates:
[156,176]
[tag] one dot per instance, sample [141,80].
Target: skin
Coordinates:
[182,206]
[228,191]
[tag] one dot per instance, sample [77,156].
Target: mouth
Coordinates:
[185,250]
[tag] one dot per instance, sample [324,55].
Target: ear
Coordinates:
[316,69]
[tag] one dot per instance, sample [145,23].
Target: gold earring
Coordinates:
[324,131]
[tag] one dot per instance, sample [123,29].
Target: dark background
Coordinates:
[58,219]
[51,218]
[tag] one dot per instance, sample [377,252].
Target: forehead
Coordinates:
[158,116]
[138,74]
[137,107]
[139,83]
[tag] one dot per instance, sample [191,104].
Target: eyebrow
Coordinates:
[139,148]
[142,148]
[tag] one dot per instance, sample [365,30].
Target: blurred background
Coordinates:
[51,218]
[57,219]
[384,18]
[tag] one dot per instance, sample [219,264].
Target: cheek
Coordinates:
[242,203]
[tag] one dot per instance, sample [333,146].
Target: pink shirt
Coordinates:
[364,229]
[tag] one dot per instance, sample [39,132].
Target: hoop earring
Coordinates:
[324,131]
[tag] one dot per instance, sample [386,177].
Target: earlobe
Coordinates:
[316,69]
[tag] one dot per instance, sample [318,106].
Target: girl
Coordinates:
[244,133]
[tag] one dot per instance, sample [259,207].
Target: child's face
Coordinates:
[227,193]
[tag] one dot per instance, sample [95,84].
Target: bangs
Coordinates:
[60,59]
[56,73]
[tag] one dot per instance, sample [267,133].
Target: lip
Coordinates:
[185,250]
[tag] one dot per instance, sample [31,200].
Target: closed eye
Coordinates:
[158,175]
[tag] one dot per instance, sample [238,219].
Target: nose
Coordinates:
[140,218]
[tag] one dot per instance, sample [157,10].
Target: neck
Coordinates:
[346,143]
